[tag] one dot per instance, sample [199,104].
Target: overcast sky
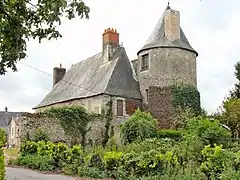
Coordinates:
[211,26]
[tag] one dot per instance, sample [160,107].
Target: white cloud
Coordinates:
[210,26]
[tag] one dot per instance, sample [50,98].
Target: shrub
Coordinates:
[209,131]
[40,135]
[2,137]
[2,165]
[215,161]
[29,147]
[169,133]
[112,159]
[92,172]
[139,126]
[42,163]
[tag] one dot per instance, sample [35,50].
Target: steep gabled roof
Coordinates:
[158,39]
[5,117]
[93,77]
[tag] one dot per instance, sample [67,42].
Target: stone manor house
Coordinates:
[165,59]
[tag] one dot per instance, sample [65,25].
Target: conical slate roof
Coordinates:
[158,39]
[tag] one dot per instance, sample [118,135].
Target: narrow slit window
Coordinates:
[147,95]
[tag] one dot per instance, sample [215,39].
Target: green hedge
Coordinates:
[169,133]
[2,162]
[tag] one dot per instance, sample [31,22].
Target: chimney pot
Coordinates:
[6,109]
[58,74]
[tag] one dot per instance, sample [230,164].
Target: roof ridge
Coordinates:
[88,58]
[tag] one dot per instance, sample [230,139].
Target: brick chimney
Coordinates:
[172,24]
[110,43]
[58,74]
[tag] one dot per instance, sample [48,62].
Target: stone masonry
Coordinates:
[167,66]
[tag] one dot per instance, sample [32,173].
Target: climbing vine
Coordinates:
[74,120]
[186,97]
[108,117]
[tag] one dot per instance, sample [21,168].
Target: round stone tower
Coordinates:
[167,58]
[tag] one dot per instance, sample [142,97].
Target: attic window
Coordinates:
[119,107]
[145,62]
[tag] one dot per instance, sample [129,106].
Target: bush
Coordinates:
[215,161]
[2,165]
[2,137]
[139,126]
[209,131]
[169,133]
[92,172]
[42,163]
[112,159]
[40,135]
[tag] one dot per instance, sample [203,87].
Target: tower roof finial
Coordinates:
[168,5]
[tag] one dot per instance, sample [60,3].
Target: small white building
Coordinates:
[14,132]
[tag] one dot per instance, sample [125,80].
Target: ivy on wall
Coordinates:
[74,120]
[108,116]
[186,96]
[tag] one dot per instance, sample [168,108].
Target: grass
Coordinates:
[11,153]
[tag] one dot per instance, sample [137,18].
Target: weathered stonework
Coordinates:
[96,104]
[167,66]
[31,122]
[160,105]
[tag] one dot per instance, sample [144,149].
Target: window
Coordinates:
[119,107]
[146,95]
[145,62]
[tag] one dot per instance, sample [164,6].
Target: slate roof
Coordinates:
[93,77]
[5,118]
[158,39]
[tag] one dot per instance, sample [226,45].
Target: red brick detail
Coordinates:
[111,36]
[160,105]
[132,105]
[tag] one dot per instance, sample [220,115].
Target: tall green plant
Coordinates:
[2,137]
[140,126]
[209,131]
[2,162]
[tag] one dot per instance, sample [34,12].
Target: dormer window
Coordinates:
[145,62]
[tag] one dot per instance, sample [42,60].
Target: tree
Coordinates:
[231,115]
[21,20]
[235,93]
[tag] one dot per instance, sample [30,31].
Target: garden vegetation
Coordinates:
[202,150]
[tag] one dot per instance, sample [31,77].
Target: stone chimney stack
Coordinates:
[58,74]
[110,43]
[172,24]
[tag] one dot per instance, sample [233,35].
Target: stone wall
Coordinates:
[160,105]
[29,123]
